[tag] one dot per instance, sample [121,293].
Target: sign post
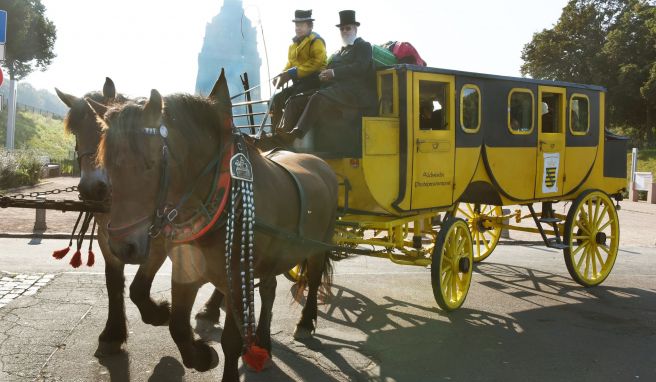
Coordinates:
[3,33]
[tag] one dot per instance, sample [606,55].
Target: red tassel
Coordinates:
[76,261]
[256,357]
[91,259]
[59,254]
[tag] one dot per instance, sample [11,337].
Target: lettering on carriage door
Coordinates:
[550,174]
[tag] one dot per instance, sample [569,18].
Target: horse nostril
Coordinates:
[101,190]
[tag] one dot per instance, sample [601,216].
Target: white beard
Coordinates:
[349,39]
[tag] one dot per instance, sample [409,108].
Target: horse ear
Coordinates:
[96,107]
[153,107]
[109,90]
[67,99]
[220,91]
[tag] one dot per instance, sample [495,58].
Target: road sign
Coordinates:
[3,26]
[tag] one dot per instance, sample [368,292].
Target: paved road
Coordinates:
[524,319]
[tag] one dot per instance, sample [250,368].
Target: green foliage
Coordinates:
[19,168]
[606,42]
[30,37]
[43,135]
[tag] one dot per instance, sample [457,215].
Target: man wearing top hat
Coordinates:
[349,81]
[305,59]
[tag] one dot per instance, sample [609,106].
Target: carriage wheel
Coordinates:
[592,232]
[451,270]
[485,233]
[295,274]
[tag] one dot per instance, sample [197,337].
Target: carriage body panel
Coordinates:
[492,139]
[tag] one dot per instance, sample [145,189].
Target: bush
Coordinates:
[19,168]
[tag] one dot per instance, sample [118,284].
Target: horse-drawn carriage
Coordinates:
[428,189]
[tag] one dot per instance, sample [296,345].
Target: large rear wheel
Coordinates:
[452,264]
[484,231]
[592,233]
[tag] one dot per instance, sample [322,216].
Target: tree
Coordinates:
[30,37]
[606,42]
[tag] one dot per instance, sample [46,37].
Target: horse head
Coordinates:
[81,121]
[154,154]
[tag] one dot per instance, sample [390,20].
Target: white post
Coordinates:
[633,195]
[11,120]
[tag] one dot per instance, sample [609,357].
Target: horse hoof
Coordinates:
[106,349]
[302,333]
[213,360]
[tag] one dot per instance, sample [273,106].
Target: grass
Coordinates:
[42,135]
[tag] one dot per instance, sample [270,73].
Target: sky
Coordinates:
[146,44]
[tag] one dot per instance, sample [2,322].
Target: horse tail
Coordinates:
[325,286]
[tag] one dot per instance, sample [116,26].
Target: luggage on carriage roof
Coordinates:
[383,57]
[404,52]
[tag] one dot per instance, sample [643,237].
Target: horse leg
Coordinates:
[195,353]
[305,326]
[268,295]
[153,313]
[212,310]
[232,344]
[115,332]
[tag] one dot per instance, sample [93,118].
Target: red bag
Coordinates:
[406,53]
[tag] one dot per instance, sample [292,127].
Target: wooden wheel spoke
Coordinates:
[605,248]
[578,237]
[587,262]
[583,227]
[602,263]
[471,210]
[467,215]
[596,212]
[605,225]
[593,260]
[601,216]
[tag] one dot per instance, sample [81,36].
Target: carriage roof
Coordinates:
[426,69]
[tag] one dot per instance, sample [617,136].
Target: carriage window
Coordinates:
[550,113]
[520,111]
[387,94]
[470,108]
[579,114]
[433,113]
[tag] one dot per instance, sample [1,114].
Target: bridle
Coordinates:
[162,218]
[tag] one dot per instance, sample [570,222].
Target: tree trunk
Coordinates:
[11,119]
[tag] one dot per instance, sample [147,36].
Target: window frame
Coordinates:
[462,109]
[395,93]
[569,110]
[521,90]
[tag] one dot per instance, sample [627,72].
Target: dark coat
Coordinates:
[354,84]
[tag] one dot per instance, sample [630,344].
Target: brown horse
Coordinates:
[94,185]
[152,168]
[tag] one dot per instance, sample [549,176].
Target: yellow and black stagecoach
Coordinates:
[423,182]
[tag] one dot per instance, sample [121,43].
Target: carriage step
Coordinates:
[552,243]
[550,220]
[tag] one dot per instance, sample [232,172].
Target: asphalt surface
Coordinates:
[524,319]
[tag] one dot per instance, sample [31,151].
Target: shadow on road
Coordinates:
[570,333]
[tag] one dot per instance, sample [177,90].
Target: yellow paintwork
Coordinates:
[467,161]
[578,164]
[433,151]
[514,170]
[548,184]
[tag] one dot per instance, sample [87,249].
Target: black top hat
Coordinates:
[347,18]
[300,16]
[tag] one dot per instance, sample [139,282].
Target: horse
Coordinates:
[156,156]
[94,185]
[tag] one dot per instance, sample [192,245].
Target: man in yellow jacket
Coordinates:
[306,58]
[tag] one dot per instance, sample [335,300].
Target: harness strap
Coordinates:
[301,194]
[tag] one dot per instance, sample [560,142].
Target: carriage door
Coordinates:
[433,120]
[551,142]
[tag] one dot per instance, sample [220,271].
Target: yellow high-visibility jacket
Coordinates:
[306,57]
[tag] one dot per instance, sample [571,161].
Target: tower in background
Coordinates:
[230,43]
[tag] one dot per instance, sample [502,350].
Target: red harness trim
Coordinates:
[193,230]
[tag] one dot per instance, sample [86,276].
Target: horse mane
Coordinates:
[196,118]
